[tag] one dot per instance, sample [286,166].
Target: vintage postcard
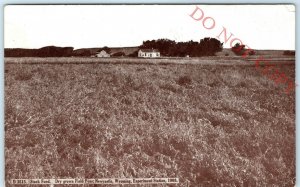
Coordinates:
[149,95]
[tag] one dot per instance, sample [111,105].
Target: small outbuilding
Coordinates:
[148,53]
[102,54]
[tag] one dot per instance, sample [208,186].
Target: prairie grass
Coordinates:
[208,125]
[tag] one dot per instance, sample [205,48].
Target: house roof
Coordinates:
[102,51]
[150,50]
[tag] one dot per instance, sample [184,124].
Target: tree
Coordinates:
[163,45]
[239,49]
[209,46]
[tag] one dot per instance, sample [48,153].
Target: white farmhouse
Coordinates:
[102,54]
[148,53]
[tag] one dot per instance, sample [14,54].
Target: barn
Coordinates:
[102,54]
[148,53]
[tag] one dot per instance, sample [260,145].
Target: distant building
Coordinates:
[102,54]
[148,53]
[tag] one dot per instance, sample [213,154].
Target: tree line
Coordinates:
[49,51]
[205,47]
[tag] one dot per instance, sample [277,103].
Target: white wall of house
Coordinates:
[148,54]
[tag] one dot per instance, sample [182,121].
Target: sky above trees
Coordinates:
[35,26]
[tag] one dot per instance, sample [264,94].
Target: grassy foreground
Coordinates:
[205,124]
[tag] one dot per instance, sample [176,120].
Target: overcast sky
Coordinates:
[35,26]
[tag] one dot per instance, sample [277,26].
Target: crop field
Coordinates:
[209,124]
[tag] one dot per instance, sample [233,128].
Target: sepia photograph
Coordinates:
[150,95]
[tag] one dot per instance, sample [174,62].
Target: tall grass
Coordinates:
[208,125]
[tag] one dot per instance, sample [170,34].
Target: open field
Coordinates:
[208,122]
[216,60]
